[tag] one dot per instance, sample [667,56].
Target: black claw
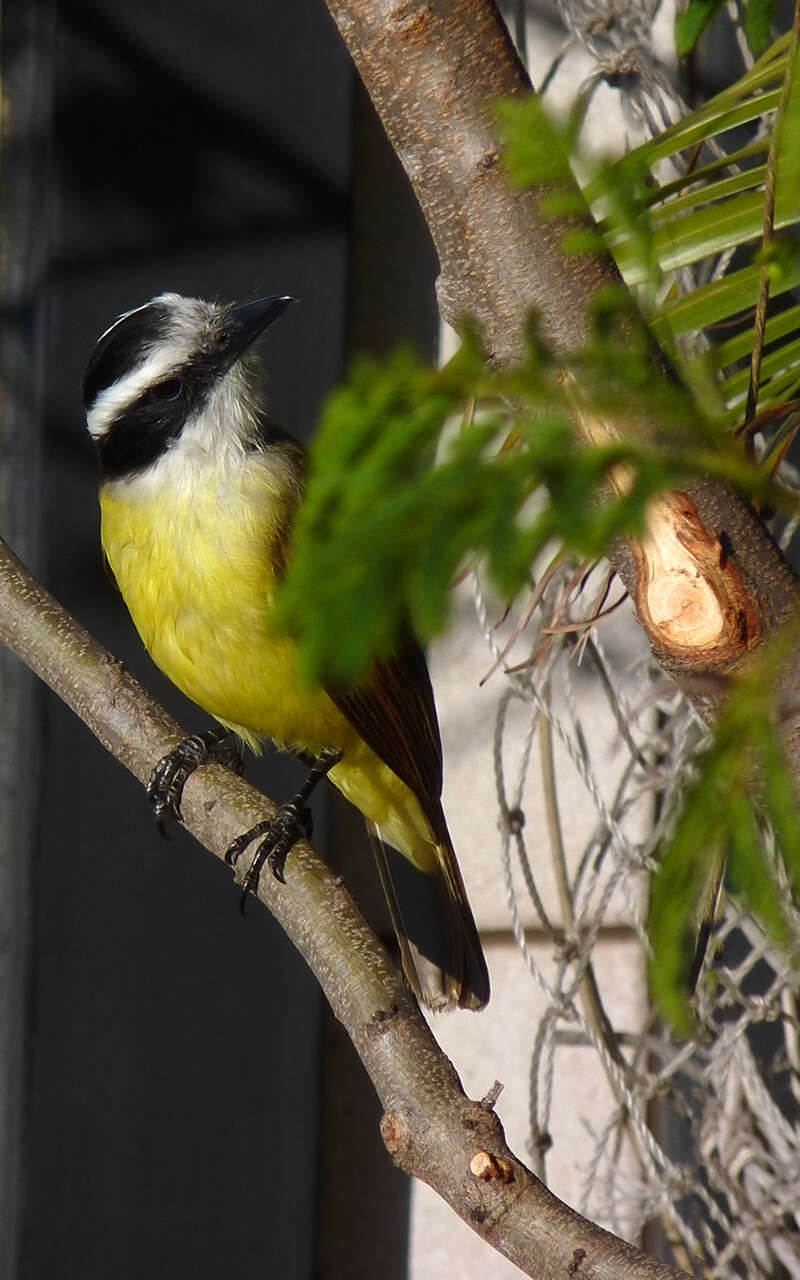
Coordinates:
[166,783]
[237,846]
[276,860]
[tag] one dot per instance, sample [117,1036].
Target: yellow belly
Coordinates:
[199,585]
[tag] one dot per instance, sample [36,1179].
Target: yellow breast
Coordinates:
[195,563]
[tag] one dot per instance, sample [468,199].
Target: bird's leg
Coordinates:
[165,787]
[292,821]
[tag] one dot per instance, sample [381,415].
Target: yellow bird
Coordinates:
[198,493]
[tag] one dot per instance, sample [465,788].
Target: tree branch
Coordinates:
[430,1127]
[435,70]
[708,583]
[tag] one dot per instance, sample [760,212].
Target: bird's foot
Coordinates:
[292,821]
[165,787]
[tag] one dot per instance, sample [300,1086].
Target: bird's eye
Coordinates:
[168,390]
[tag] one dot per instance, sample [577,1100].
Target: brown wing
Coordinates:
[393,709]
[394,712]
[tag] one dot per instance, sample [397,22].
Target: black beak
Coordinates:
[242,325]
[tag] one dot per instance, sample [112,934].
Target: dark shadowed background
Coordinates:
[175,1101]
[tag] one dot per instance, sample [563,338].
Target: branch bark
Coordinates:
[430,1127]
[708,583]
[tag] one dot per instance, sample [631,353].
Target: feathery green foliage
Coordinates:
[385,527]
[416,471]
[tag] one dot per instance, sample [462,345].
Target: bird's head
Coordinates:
[175,372]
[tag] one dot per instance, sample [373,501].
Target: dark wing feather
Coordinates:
[109,572]
[394,712]
[393,708]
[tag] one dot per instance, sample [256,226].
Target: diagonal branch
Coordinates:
[430,1127]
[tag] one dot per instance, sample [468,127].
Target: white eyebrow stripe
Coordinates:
[114,400]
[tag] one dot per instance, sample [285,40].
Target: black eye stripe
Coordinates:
[146,428]
[140,435]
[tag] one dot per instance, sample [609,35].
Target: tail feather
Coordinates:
[708,917]
[439,945]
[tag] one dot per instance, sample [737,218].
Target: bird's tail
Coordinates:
[439,945]
[708,915]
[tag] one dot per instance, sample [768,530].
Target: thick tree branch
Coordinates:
[431,1128]
[709,585]
[435,70]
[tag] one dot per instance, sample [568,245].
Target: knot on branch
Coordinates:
[488,161]
[396,1134]
[380,1022]
[575,1261]
[489,1168]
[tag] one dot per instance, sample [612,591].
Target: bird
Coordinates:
[198,492]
